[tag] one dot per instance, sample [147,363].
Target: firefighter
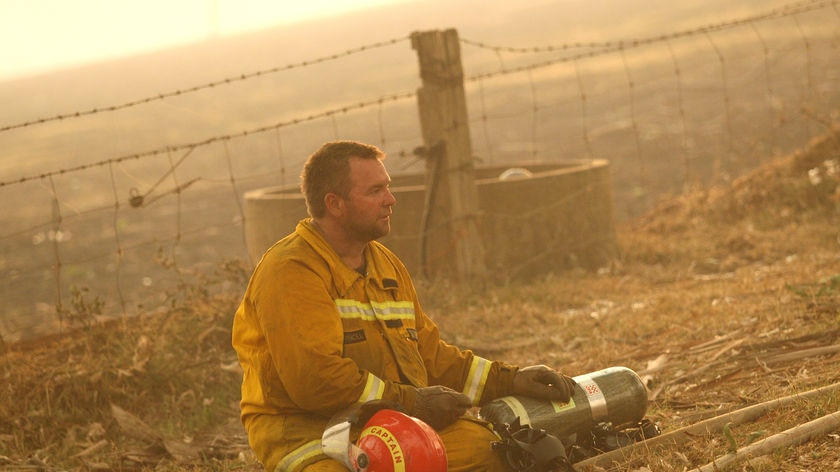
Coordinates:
[330,318]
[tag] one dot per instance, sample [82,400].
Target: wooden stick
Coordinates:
[703,428]
[810,352]
[91,449]
[790,437]
[712,343]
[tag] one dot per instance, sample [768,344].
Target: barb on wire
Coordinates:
[137,200]
[225,81]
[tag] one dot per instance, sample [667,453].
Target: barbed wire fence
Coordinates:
[115,234]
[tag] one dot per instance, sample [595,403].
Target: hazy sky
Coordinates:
[40,35]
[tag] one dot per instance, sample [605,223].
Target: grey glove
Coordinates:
[544,383]
[439,406]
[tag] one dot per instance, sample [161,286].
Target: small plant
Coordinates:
[826,286]
[81,311]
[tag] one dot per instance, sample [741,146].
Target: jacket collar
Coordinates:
[380,270]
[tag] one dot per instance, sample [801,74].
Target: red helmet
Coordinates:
[394,441]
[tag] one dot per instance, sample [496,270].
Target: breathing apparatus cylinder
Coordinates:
[614,395]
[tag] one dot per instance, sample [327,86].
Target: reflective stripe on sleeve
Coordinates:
[374,389]
[295,460]
[474,386]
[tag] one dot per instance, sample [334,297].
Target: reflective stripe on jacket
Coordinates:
[314,336]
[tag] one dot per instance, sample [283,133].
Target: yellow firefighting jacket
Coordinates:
[314,336]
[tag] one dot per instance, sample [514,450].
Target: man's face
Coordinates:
[369,205]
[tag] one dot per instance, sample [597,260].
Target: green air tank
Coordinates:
[614,395]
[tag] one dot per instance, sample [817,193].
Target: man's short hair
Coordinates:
[327,170]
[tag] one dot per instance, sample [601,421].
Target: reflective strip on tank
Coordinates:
[295,459]
[374,389]
[474,386]
[595,396]
[518,410]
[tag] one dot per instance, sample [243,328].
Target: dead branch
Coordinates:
[135,427]
[711,344]
[790,437]
[802,353]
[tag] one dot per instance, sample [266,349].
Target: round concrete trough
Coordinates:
[533,217]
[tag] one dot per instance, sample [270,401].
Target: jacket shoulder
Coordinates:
[382,253]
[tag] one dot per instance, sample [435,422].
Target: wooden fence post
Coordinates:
[450,240]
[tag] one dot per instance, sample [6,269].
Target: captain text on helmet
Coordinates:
[330,318]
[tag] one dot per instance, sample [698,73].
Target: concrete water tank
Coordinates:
[534,217]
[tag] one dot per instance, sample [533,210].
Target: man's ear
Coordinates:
[334,204]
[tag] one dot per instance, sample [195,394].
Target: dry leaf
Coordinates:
[142,354]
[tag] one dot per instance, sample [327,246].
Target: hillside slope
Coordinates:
[720,299]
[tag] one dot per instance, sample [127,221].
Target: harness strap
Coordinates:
[524,449]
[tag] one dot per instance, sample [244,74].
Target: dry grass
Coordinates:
[716,299]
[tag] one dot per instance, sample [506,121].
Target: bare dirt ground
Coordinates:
[721,299]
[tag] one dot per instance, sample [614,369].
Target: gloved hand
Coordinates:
[439,406]
[544,383]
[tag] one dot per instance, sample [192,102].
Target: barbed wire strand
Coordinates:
[214,139]
[601,46]
[209,85]
[613,46]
